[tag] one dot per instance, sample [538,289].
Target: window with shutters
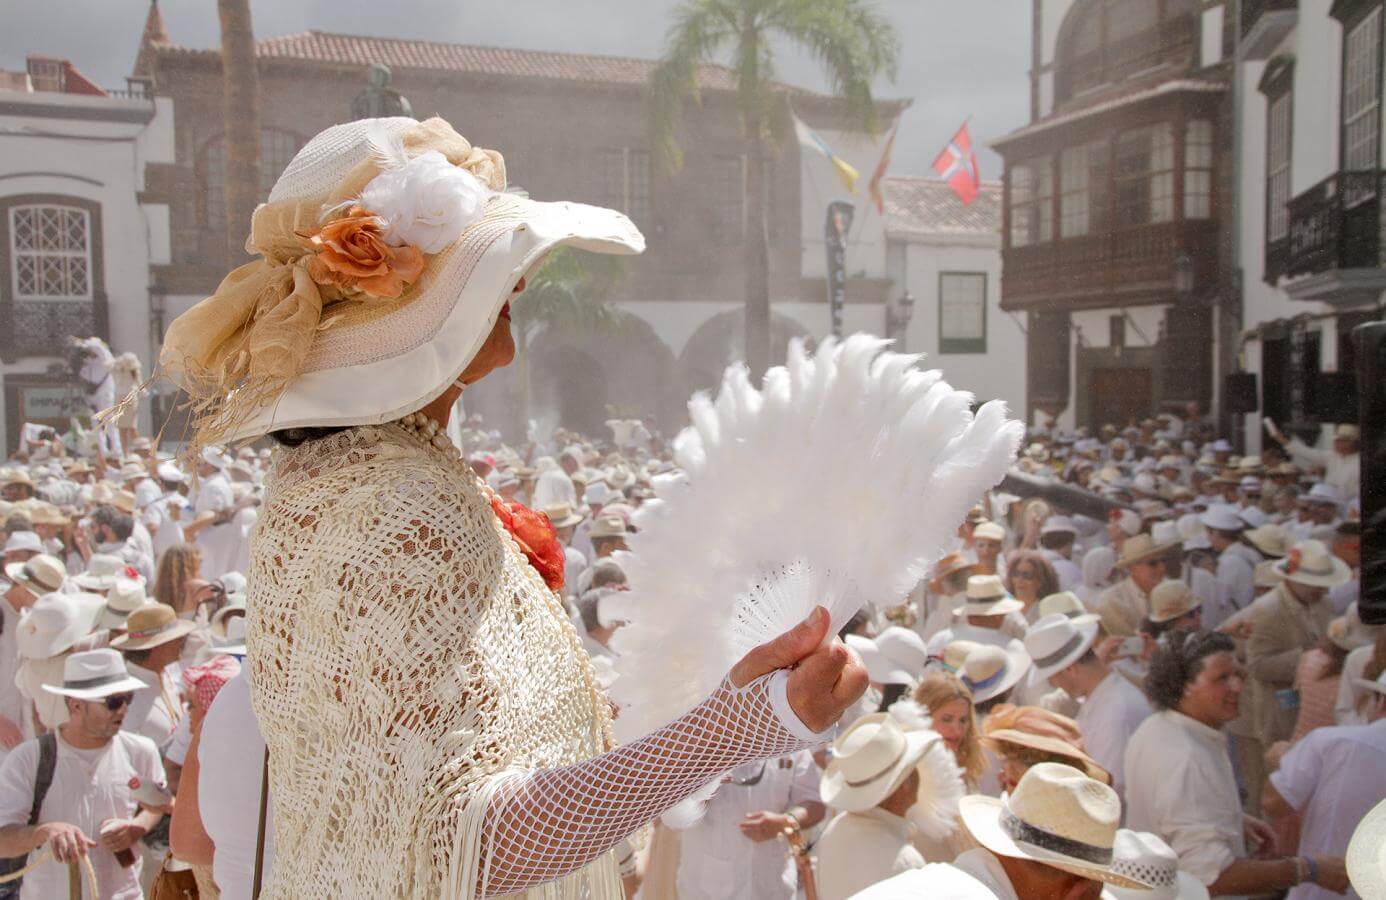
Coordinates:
[1032,202]
[1198,169]
[1361,110]
[50,253]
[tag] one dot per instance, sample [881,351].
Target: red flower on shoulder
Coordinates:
[537,538]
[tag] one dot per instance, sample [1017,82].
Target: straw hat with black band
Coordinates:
[1140,548]
[151,625]
[95,675]
[869,761]
[1056,642]
[987,596]
[42,574]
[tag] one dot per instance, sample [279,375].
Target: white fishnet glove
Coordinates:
[543,825]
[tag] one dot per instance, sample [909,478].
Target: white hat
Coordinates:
[1066,603]
[1270,539]
[1172,599]
[561,515]
[1366,855]
[1056,816]
[147,492]
[102,571]
[1128,520]
[598,492]
[608,527]
[1323,493]
[905,649]
[1222,517]
[124,597]
[1349,632]
[24,541]
[56,622]
[94,674]
[1056,642]
[1143,856]
[987,596]
[879,667]
[870,760]
[1058,524]
[1221,446]
[1310,563]
[170,472]
[42,574]
[989,671]
[989,531]
[1375,685]
[216,457]
[233,642]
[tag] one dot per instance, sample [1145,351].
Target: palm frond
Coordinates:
[701,28]
[565,293]
[853,42]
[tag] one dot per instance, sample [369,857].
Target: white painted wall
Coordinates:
[51,155]
[1317,45]
[820,185]
[1000,372]
[1210,45]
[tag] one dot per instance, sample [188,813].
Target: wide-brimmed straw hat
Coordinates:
[1310,563]
[102,571]
[1270,539]
[232,641]
[561,515]
[94,674]
[989,531]
[388,248]
[1140,548]
[1058,817]
[41,574]
[56,622]
[1366,854]
[124,597]
[1046,744]
[1145,856]
[880,668]
[608,527]
[1056,642]
[989,671]
[1066,603]
[151,625]
[1172,599]
[949,564]
[987,596]
[870,760]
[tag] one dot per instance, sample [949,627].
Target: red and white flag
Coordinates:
[957,165]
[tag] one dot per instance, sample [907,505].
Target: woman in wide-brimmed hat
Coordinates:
[432,723]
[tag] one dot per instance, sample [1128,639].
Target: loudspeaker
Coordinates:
[1371,390]
[1240,395]
[1333,397]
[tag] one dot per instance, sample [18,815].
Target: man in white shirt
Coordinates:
[1179,779]
[88,809]
[1236,565]
[734,851]
[1057,537]
[165,516]
[873,779]
[1330,780]
[212,528]
[1342,465]
[29,580]
[1061,649]
[555,484]
[113,531]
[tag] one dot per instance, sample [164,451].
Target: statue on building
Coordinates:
[379,99]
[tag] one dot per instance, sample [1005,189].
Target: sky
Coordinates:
[957,60]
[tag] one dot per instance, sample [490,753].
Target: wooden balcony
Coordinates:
[1172,41]
[1121,267]
[1265,24]
[42,327]
[1335,240]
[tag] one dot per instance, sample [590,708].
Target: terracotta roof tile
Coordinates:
[924,206]
[361,50]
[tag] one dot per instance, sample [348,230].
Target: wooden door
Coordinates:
[1119,396]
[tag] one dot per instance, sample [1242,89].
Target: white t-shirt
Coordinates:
[89,787]
[231,754]
[1332,777]
[858,850]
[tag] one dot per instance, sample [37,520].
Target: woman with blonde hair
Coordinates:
[949,705]
[180,566]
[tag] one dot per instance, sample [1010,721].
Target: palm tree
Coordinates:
[850,39]
[240,94]
[564,293]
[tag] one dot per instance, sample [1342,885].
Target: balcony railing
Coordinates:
[1336,224]
[1133,264]
[1265,24]
[42,327]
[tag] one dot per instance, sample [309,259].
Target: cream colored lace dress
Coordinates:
[432,721]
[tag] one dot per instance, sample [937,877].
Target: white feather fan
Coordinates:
[941,785]
[839,482]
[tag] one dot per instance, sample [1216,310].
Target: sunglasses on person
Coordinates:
[1025,574]
[115,702]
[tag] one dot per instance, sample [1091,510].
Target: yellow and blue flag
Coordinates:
[810,139]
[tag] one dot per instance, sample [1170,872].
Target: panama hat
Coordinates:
[56,622]
[905,649]
[124,597]
[102,571]
[445,272]
[1056,642]
[987,596]
[1270,539]
[23,542]
[1140,548]
[1222,517]
[955,653]
[1172,599]
[1310,563]
[41,574]
[561,515]
[608,527]
[151,625]
[1348,631]
[1058,817]
[949,564]
[94,674]
[995,740]
[1145,857]
[232,643]
[1366,854]
[1066,603]
[989,671]
[879,668]
[870,760]
[1266,574]
[989,531]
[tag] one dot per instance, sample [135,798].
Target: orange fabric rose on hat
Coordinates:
[352,254]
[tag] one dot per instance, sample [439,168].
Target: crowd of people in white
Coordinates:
[1179,701]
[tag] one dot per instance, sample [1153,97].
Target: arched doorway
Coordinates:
[721,341]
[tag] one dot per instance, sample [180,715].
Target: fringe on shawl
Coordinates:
[467,867]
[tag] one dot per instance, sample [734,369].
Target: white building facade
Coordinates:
[1311,219]
[77,243]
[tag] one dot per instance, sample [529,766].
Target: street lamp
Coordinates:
[899,316]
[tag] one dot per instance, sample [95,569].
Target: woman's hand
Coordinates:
[826,679]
